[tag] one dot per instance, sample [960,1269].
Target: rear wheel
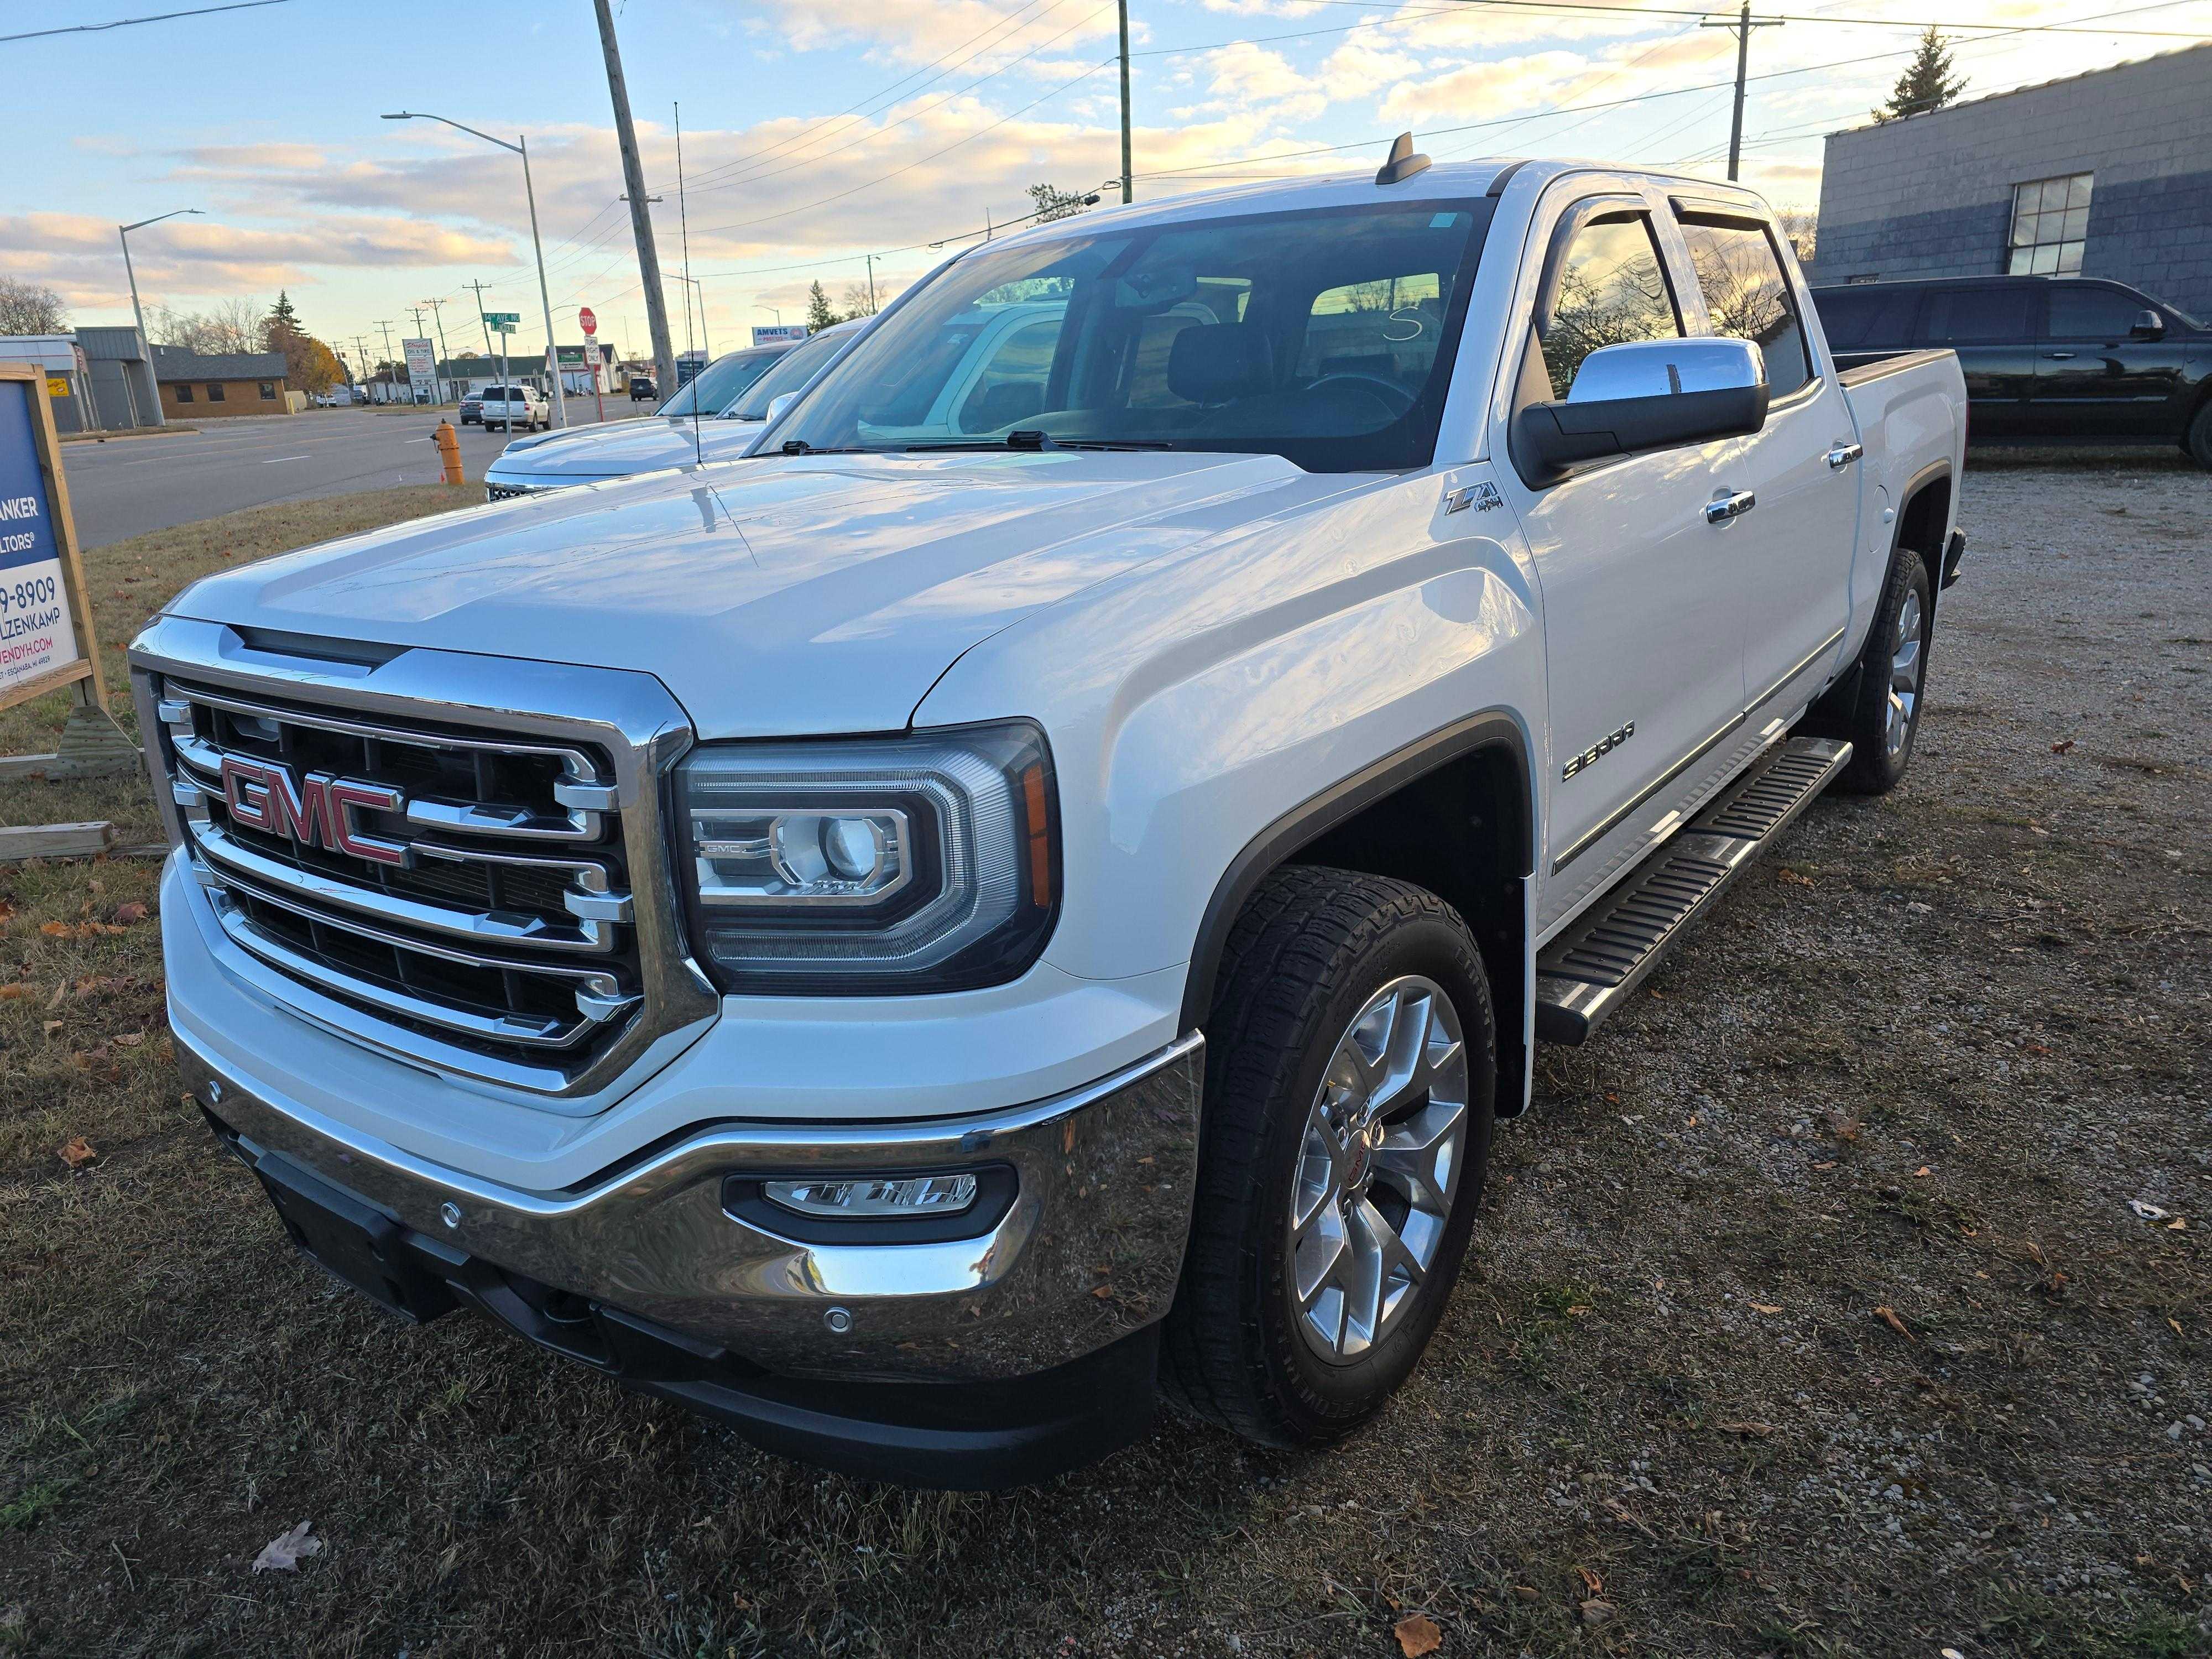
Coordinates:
[1352,1070]
[1884,716]
[2198,440]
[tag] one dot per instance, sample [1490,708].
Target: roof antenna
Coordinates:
[698,450]
[1403,164]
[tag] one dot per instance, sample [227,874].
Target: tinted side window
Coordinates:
[1611,290]
[1741,276]
[1976,316]
[1866,318]
[2091,314]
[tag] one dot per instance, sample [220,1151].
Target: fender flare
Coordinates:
[1316,816]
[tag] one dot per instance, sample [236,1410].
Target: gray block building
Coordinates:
[2104,174]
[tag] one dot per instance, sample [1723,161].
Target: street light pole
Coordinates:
[123,235]
[521,148]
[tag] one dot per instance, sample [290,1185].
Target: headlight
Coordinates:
[928,863]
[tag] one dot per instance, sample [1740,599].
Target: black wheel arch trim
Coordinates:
[1318,814]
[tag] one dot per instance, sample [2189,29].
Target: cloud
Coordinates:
[926,30]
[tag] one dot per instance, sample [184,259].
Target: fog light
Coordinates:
[874,1197]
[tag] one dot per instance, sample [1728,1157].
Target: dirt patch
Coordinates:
[1832,1303]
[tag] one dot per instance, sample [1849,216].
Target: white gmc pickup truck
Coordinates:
[1030,897]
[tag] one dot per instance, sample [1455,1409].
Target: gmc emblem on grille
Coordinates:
[315,811]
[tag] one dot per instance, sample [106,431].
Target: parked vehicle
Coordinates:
[595,454]
[338,396]
[641,389]
[915,947]
[473,408]
[501,406]
[2063,357]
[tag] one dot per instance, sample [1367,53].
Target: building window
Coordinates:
[214,391]
[269,392]
[184,394]
[2050,223]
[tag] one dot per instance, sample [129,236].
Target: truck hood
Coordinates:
[775,597]
[595,453]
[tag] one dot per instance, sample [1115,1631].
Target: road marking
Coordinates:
[273,459]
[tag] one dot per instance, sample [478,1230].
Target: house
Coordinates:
[2107,173]
[198,388]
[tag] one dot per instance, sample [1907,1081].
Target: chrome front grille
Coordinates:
[463,878]
[500,492]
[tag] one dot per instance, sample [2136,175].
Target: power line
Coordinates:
[1479,8]
[131,22]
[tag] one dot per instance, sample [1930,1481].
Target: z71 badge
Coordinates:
[1598,750]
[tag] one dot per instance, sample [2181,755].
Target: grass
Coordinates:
[1830,1102]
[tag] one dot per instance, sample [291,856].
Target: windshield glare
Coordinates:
[1324,335]
[794,370]
[719,385]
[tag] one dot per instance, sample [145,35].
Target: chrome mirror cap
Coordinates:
[1655,369]
[778,404]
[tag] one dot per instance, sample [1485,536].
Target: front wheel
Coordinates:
[2197,441]
[1351,1080]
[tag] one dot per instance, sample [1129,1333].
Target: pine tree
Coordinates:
[1927,84]
[282,313]
[1053,202]
[820,314]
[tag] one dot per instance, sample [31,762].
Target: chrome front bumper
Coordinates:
[1088,1252]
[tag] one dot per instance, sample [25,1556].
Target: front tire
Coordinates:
[2198,440]
[1351,1082]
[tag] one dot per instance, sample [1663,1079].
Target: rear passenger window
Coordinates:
[1866,318]
[1976,316]
[2091,314]
[1740,276]
[1611,290]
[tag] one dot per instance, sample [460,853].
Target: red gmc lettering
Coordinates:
[317,811]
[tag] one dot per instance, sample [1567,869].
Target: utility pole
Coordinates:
[1743,24]
[384,322]
[640,218]
[1128,177]
[872,284]
[443,354]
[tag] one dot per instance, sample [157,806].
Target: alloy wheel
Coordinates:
[1904,678]
[1378,1168]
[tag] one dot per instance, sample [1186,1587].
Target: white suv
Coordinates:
[504,405]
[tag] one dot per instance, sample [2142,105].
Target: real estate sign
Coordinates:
[38,635]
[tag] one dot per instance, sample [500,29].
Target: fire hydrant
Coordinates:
[449,451]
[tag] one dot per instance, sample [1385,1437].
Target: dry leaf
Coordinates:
[2062,745]
[76,1152]
[1764,1307]
[1526,1592]
[128,1039]
[1418,1634]
[284,1553]
[1888,1317]
[56,929]
[1785,873]
[127,913]
[1596,1612]
[14,988]
[1922,1172]
[1592,1583]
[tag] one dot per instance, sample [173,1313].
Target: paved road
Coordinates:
[130,485]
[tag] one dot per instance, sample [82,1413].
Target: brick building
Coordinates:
[199,388]
[2107,174]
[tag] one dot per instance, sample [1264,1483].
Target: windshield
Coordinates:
[1324,335]
[796,367]
[717,385]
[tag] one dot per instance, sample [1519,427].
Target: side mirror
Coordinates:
[777,404]
[1647,394]
[2148,326]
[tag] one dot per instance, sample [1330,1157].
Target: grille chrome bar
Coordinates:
[548,964]
[484,926]
[604,1000]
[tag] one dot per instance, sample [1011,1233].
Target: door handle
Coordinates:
[1729,504]
[1845,454]
[2060,356]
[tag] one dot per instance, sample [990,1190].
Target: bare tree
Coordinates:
[857,301]
[228,326]
[30,309]
[1802,226]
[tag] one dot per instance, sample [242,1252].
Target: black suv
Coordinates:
[2044,356]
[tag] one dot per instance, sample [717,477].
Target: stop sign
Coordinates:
[591,323]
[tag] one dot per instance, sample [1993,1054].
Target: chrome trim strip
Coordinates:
[1590,838]
[485,926]
[481,818]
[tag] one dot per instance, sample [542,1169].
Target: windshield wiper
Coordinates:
[1028,437]
[800,446]
[1113,443]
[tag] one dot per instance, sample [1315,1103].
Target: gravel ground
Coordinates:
[1847,1297]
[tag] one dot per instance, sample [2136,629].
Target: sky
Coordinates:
[818,133]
